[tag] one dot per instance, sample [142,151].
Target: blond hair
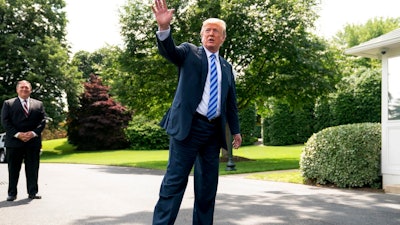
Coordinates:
[216,21]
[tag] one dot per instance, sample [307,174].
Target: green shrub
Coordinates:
[346,156]
[248,119]
[358,98]
[287,126]
[146,135]
[323,113]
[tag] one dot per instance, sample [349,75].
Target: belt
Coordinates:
[204,118]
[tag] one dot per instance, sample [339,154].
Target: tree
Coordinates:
[32,47]
[355,34]
[357,96]
[268,43]
[100,121]
[105,62]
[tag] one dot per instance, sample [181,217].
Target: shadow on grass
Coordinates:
[61,151]
[261,165]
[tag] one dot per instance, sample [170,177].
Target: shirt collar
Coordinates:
[22,100]
[210,53]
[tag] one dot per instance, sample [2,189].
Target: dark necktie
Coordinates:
[212,104]
[25,106]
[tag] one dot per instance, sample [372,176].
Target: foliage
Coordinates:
[357,100]
[286,62]
[145,134]
[276,56]
[104,62]
[323,116]
[33,47]
[346,155]
[100,121]
[50,134]
[144,70]
[355,34]
[248,119]
[286,125]
[357,96]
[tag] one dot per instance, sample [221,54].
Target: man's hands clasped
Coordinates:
[25,136]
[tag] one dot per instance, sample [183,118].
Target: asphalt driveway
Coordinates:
[91,194]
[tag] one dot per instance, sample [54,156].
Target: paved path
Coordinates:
[102,195]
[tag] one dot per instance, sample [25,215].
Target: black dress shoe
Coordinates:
[11,198]
[35,197]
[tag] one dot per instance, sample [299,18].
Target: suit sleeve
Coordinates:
[168,49]
[232,110]
[6,120]
[41,125]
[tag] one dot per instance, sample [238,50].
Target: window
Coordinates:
[394,88]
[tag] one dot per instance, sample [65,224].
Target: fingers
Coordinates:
[159,6]
[237,141]
[25,136]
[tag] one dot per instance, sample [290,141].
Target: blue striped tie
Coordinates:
[212,104]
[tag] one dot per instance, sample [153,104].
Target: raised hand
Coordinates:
[162,13]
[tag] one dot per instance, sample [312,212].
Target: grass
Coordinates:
[260,158]
[279,176]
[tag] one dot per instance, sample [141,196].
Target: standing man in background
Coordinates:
[24,120]
[205,100]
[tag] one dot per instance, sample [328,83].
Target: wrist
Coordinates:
[163,27]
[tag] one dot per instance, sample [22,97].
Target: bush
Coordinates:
[346,156]
[146,135]
[248,120]
[99,122]
[323,113]
[53,133]
[358,98]
[287,126]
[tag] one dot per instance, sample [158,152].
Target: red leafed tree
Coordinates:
[99,122]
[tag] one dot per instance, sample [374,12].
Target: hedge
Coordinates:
[345,155]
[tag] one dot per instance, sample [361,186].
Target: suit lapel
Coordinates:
[30,105]
[204,66]
[225,77]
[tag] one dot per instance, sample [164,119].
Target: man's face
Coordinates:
[212,37]
[24,90]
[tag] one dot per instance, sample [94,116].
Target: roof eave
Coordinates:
[377,46]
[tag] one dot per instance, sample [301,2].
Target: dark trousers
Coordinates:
[201,149]
[30,156]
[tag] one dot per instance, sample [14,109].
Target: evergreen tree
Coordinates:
[99,122]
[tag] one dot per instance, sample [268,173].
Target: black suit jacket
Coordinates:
[193,68]
[14,120]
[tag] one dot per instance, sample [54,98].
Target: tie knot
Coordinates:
[212,56]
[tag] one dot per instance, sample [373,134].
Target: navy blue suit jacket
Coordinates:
[14,120]
[193,68]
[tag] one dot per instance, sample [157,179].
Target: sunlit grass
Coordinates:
[258,158]
[279,176]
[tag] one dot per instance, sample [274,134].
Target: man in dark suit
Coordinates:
[196,126]
[24,120]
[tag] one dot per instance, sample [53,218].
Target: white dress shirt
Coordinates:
[203,106]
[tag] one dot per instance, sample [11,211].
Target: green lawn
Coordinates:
[260,158]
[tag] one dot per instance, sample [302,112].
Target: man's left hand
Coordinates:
[237,141]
